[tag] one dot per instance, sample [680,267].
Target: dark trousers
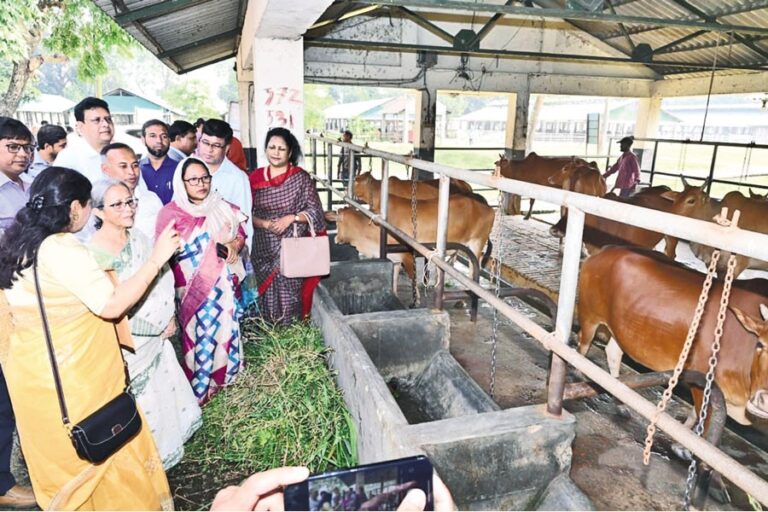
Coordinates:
[7,425]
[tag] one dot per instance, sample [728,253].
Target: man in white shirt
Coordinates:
[120,163]
[94,124]
[231,182]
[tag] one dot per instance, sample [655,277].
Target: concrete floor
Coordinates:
[607,453]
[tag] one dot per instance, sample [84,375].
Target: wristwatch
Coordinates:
[296,217]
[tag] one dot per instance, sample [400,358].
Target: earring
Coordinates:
[75,217]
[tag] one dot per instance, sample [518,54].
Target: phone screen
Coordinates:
[378,486]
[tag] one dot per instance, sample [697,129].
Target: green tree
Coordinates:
[316,99]
[192,98]
[36,32]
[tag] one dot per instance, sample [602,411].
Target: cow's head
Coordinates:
[363,187]
[502,167]
[757,197]
[692,202]
[341,227]
[759,369]
[564,174]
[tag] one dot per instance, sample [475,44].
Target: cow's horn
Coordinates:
[706,183]
[685,182]
[764,311]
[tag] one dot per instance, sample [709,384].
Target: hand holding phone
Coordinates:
[222,251]
[378,486]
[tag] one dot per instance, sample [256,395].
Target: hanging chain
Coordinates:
[699,312]
[415,297]
[498,221]
[699,429]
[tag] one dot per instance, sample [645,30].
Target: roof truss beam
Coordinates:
[461,5]
[668,48]
[202,42]
[154,11]
[493,53]
[425,23]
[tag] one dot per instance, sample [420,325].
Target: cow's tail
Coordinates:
[486,254]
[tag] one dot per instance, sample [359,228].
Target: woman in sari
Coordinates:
[157,380]
[207,273]
[283,194]
[81,304]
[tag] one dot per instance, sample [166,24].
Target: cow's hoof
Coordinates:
[681,452]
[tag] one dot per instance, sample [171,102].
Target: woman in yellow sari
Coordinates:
[83,306]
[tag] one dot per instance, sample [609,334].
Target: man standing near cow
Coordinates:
[628,168]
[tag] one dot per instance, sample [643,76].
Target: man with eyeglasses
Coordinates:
[120,163]
[157,167]
[16,150]
[228,179]
[94,124]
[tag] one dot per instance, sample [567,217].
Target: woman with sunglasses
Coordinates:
[208,271]
[157,380]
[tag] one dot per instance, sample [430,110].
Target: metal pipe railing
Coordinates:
[734,239]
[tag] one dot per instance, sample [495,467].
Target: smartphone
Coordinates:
[377,486]
[222,251]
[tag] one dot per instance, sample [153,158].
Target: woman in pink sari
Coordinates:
[207,272]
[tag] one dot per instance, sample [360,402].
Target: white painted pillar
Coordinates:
[425,119]
[520,134]
[278,80]
[509,134]
[246,119]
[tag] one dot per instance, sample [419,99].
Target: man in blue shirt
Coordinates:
[183,138]
[157,167]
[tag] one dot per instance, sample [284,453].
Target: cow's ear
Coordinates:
[749,323]
[670,195]
[764,311]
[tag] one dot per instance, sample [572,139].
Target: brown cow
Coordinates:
[643,303]
[576,177]
[469,220]
[356,229]
[694,202]
[532,169]
[600,231]
[425,189]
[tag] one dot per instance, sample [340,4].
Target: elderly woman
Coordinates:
[283,194]
[207,273]
[81,303]
[157,380]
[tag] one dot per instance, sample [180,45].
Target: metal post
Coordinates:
[384,207]
[712,170]
[329,168]
[313,148]
[350,173]
[653,161]
[569,279]
[442,234]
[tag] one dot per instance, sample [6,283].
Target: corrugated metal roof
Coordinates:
[183,34]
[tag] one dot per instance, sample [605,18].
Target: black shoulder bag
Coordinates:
[105,431]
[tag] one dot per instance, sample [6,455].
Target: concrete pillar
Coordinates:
[425,118]
[278,83]
[509,134]
[520,134]
[647,127]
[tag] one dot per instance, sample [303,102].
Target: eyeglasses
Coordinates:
[14,148]
[197,181]
[132,203]
[209,145]
[97,120]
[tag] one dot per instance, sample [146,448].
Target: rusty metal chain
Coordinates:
[699,312]
[699,429]
[498,221]
[415,296]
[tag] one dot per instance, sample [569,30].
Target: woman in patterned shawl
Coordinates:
[207,271]
[283,193]
[157,380]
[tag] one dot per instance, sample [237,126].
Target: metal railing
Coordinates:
[737,240]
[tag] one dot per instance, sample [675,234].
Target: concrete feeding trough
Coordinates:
[408,395]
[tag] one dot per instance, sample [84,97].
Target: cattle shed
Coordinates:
[646,49]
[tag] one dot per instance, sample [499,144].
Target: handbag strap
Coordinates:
[52,356]
[309,221]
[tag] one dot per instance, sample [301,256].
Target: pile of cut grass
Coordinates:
[284,409]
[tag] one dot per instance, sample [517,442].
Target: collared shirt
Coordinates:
[159,181]
[38,165]
[629,171]
[13,197]
[233,185]
[176,154]
[78,155]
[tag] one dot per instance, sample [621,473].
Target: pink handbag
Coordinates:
[305,256]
